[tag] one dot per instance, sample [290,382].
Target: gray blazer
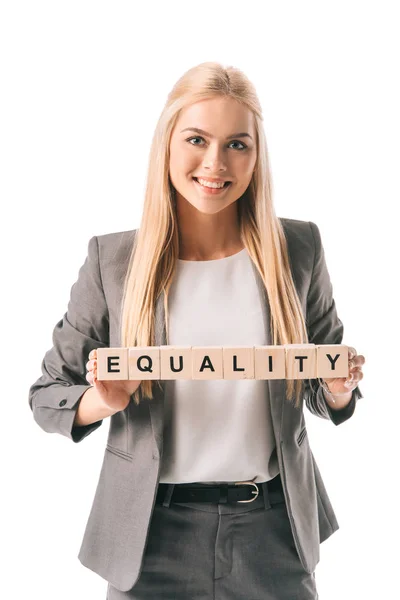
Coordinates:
[116,532]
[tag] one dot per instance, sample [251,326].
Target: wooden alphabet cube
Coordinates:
[112,363]
[332,360]
[269,362]
[301,361]
[288,361]
[176,362]
[238,362]
[144,362]
[207,362]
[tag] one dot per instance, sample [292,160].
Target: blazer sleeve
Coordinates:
[54,398]
[324,327]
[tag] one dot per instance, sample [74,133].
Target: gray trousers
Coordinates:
[212,551]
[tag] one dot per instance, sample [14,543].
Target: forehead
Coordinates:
[221,114]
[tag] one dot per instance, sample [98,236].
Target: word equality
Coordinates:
[289,361]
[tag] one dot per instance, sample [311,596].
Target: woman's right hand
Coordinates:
[115,394]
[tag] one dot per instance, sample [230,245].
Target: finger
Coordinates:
[356,362]
[354,378]
[354,372]
[96,381]
[89,377]
[93,353]
[352,352]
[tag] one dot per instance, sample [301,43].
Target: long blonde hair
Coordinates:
[156,245]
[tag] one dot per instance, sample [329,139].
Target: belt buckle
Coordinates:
[256,491]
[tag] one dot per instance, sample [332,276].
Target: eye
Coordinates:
[194,138]
[241,143]
[197,137]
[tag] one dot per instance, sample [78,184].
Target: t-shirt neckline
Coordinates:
[215,260]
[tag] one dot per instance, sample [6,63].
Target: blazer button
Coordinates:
[62,403]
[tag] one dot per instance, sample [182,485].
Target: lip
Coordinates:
[210,191]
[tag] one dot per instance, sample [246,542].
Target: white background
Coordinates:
[82,86]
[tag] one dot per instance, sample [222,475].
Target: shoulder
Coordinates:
[303,238]
[115,246]
[294,228]
[297,231]
[117,238]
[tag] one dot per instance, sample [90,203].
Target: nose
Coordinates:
[214,159]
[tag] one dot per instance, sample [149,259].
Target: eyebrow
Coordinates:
[235,135]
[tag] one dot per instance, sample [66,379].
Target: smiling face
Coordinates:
[224,149]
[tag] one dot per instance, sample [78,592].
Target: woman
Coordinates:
[208,489]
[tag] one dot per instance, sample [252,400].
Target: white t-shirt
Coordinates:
[217,430]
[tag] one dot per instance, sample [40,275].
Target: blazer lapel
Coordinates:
[276,386]
[156,406]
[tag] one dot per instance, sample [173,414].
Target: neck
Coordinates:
[207,237]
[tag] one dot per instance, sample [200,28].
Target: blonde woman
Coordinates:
[208,488]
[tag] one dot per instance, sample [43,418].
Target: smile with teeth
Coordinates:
[211,184]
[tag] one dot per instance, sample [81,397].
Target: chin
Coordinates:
[211,209]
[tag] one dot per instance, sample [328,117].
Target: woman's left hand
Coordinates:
[343,385]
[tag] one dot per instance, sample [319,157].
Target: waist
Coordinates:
[244,491]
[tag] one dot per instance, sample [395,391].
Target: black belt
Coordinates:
[242,491]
